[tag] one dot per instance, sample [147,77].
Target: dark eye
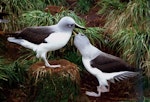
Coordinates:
[82,34]
[70,25]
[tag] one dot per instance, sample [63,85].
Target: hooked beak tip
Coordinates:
[81,27]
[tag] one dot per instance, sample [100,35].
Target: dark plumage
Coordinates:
[108,64]
[35,35]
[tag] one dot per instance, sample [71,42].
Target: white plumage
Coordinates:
[103,66]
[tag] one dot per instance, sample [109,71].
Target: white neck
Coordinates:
[90,51]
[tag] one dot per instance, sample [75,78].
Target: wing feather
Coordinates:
[35,35]
[109,63]
[125,75]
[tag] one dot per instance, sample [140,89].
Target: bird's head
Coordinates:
[68,24]
[81,41]
[86,49]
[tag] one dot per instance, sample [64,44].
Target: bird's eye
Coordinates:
[82,34]
[70,25]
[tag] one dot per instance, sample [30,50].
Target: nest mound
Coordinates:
[67,69]
[49,84]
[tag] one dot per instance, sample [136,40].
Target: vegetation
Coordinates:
[130,32]
[54,88]
[84,6]
[127,27]
[12,75]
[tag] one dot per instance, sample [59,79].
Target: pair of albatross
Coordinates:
[103,66]
[50,38]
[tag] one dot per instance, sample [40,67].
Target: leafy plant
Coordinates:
[83,6]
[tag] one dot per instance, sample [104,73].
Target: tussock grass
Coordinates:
[135,15]
[54,88]
[130,31]
[83,6]
[3,75]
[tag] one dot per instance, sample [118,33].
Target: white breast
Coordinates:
[56,41]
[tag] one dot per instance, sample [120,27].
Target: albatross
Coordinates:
[105,67]
[42,39]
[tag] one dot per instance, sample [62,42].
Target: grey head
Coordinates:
[86,49]
[68,24]
[81,41]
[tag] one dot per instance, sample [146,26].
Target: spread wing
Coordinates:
[109,63]
[35,35]
[125,75]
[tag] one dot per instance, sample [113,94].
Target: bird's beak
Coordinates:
[78,26]
[75,33]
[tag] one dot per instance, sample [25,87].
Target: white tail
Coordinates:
[23,43]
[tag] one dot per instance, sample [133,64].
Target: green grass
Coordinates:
[12,75]
[133,16]
[16,8]
[15,75]
[83,6]
[3,75]
[108,5]
[41,18]
[53,88]
[129,31]
[133,47]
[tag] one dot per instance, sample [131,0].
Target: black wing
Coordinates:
[109,63]
[35,35]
